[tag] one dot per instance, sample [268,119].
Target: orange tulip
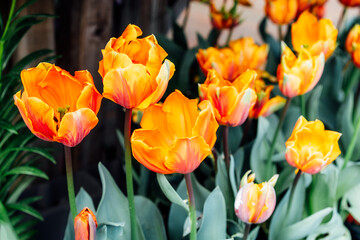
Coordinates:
[222,19]
[85,225]
[57,106]
[316,7]
[265,106]
[281,11]
[244,2]
[255,203]
[350,3]
[310,148]
[320,35]
[231,101]
[175,136]
[133,72]
[352,44]
[231,62]
[298,75]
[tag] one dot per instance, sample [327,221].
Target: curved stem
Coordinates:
[341,19]
[192,212]
[246,231]
[229,36]
[226,145]
[187,10]
[128,172]
[280,33]
[272,147]
[351,147]
[303,105]
[70,182]
[296,180]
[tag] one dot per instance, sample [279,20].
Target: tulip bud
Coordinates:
[352,44]
[281,11]
[85,225]
[255,203]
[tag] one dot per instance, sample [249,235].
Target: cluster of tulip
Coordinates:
[178,134]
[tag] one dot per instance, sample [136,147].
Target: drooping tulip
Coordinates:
[57,106]
[255,203]
[352,44]
[134,72]
[315,35]
[298,75]
[175,136]
[231,101]
[310,148]
[85,225]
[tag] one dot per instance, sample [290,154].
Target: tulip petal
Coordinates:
[187,154]
[30,79]
[37,115]
[244,103]
[75,126]
[116,88]
[89,98]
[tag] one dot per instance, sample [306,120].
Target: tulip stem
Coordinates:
[351,147]
[280,32]
[296,180]
[128,172]
[70,181]
[246,231]
[303,105]
[272,147]
[229,36]
[192,212]
[226,145]
[187,11]
[341,19]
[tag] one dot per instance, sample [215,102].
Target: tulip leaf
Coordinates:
[214,217]
[348,178]
[222,180]
[350,202]
[150,219]
[83,200]
[306,226]
[313,103]
[27,170]
[178,215]
[113,214]
[170,192]
[120,137]
[285,215]
[183,79]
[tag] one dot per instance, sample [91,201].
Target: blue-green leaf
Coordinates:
[348,178]
[170,192]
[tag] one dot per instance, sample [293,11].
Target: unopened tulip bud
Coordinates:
[85,225]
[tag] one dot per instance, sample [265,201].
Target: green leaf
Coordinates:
[150,219]
[120,137]
[25,208]
[20,188]
[313,103]
[285,215]
[170,192]
[22,7]
[214,219]
[27,170]
[183,80]
[83,200]
[7,232]
[28,59]
[113,214]
[350,202]
[179,36]
[7,126]
[222,180]
[38,151]
[254,233]
[348,178]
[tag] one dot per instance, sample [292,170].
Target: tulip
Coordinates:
[298,75]
[265,106]
[85,225]
[310,148]
[316,7]
[320,35]
[352,44]
[175,136]
[222,19]
[134,74]
[231,101]
[231,62]
[281,11]
[255,203]
[57,106]
[350,3]
[244,2]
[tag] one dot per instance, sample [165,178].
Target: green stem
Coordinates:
[70,181]
[272,147]
[351,147]
[296,180]
[192,212]
[303,105]
[280,32]
[187,11]
[341,19]
[128,171]
[229,36]
[226,145]
[246,231]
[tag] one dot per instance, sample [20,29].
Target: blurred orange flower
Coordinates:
[352,44]
[310,148]
[350,3]
[231,101]
[255,203]
[231,62]
[85,225]
[265,106]
[320,35]
[57,106]
[244,2]
[222,19]
[298,75]
[175,136]
[281,11]
[134,74]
